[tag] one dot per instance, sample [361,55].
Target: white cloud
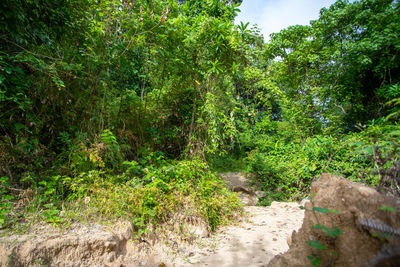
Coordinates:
[275,15]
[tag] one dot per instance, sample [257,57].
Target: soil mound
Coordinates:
[346,224]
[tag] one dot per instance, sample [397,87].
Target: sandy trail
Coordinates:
[251,243]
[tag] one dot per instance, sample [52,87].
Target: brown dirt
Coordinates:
[367,230]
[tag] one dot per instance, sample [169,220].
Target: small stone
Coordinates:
[260,194]
[274,239]
[111,256]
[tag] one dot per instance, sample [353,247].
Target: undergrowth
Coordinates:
[100,185]
[285,168]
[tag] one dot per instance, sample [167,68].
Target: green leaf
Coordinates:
[394,133]
[333,211]
[323,210]
[369,150]
[388,208]
[317,226]
[318,209]
[316,244]
[335,231]
[386,235]
[356,144]
[332,232]
[18,126]
[314,259]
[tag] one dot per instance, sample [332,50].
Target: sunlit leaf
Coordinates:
[388,208]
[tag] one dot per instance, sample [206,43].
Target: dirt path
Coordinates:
[251,243]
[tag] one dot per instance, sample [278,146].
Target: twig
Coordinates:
[332,156]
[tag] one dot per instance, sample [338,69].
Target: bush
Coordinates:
[151,194]
[285,170]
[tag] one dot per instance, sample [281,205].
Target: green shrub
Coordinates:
[285,170]
[152,193]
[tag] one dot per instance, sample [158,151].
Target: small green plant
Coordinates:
[5,198]
[111,153]
[314,260]
[140,226]
[323,210]
[333,233]
[316,244]
[133,168]
[51,214]
[388,208]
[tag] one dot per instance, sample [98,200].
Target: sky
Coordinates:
[275,15]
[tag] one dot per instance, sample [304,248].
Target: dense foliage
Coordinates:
[338,79]
[117,105]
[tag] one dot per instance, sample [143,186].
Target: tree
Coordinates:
[338,70]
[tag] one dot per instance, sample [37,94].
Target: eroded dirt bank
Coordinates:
[346,224]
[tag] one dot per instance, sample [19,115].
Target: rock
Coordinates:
[199,231]
[234,179]
[123,230]
[261,194]
[304,202]
[238,182]
[240,189]
[356,210]
[248,200]
[111,256]
[289,239]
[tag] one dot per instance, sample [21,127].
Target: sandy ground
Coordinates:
[251,243]
[254,242]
